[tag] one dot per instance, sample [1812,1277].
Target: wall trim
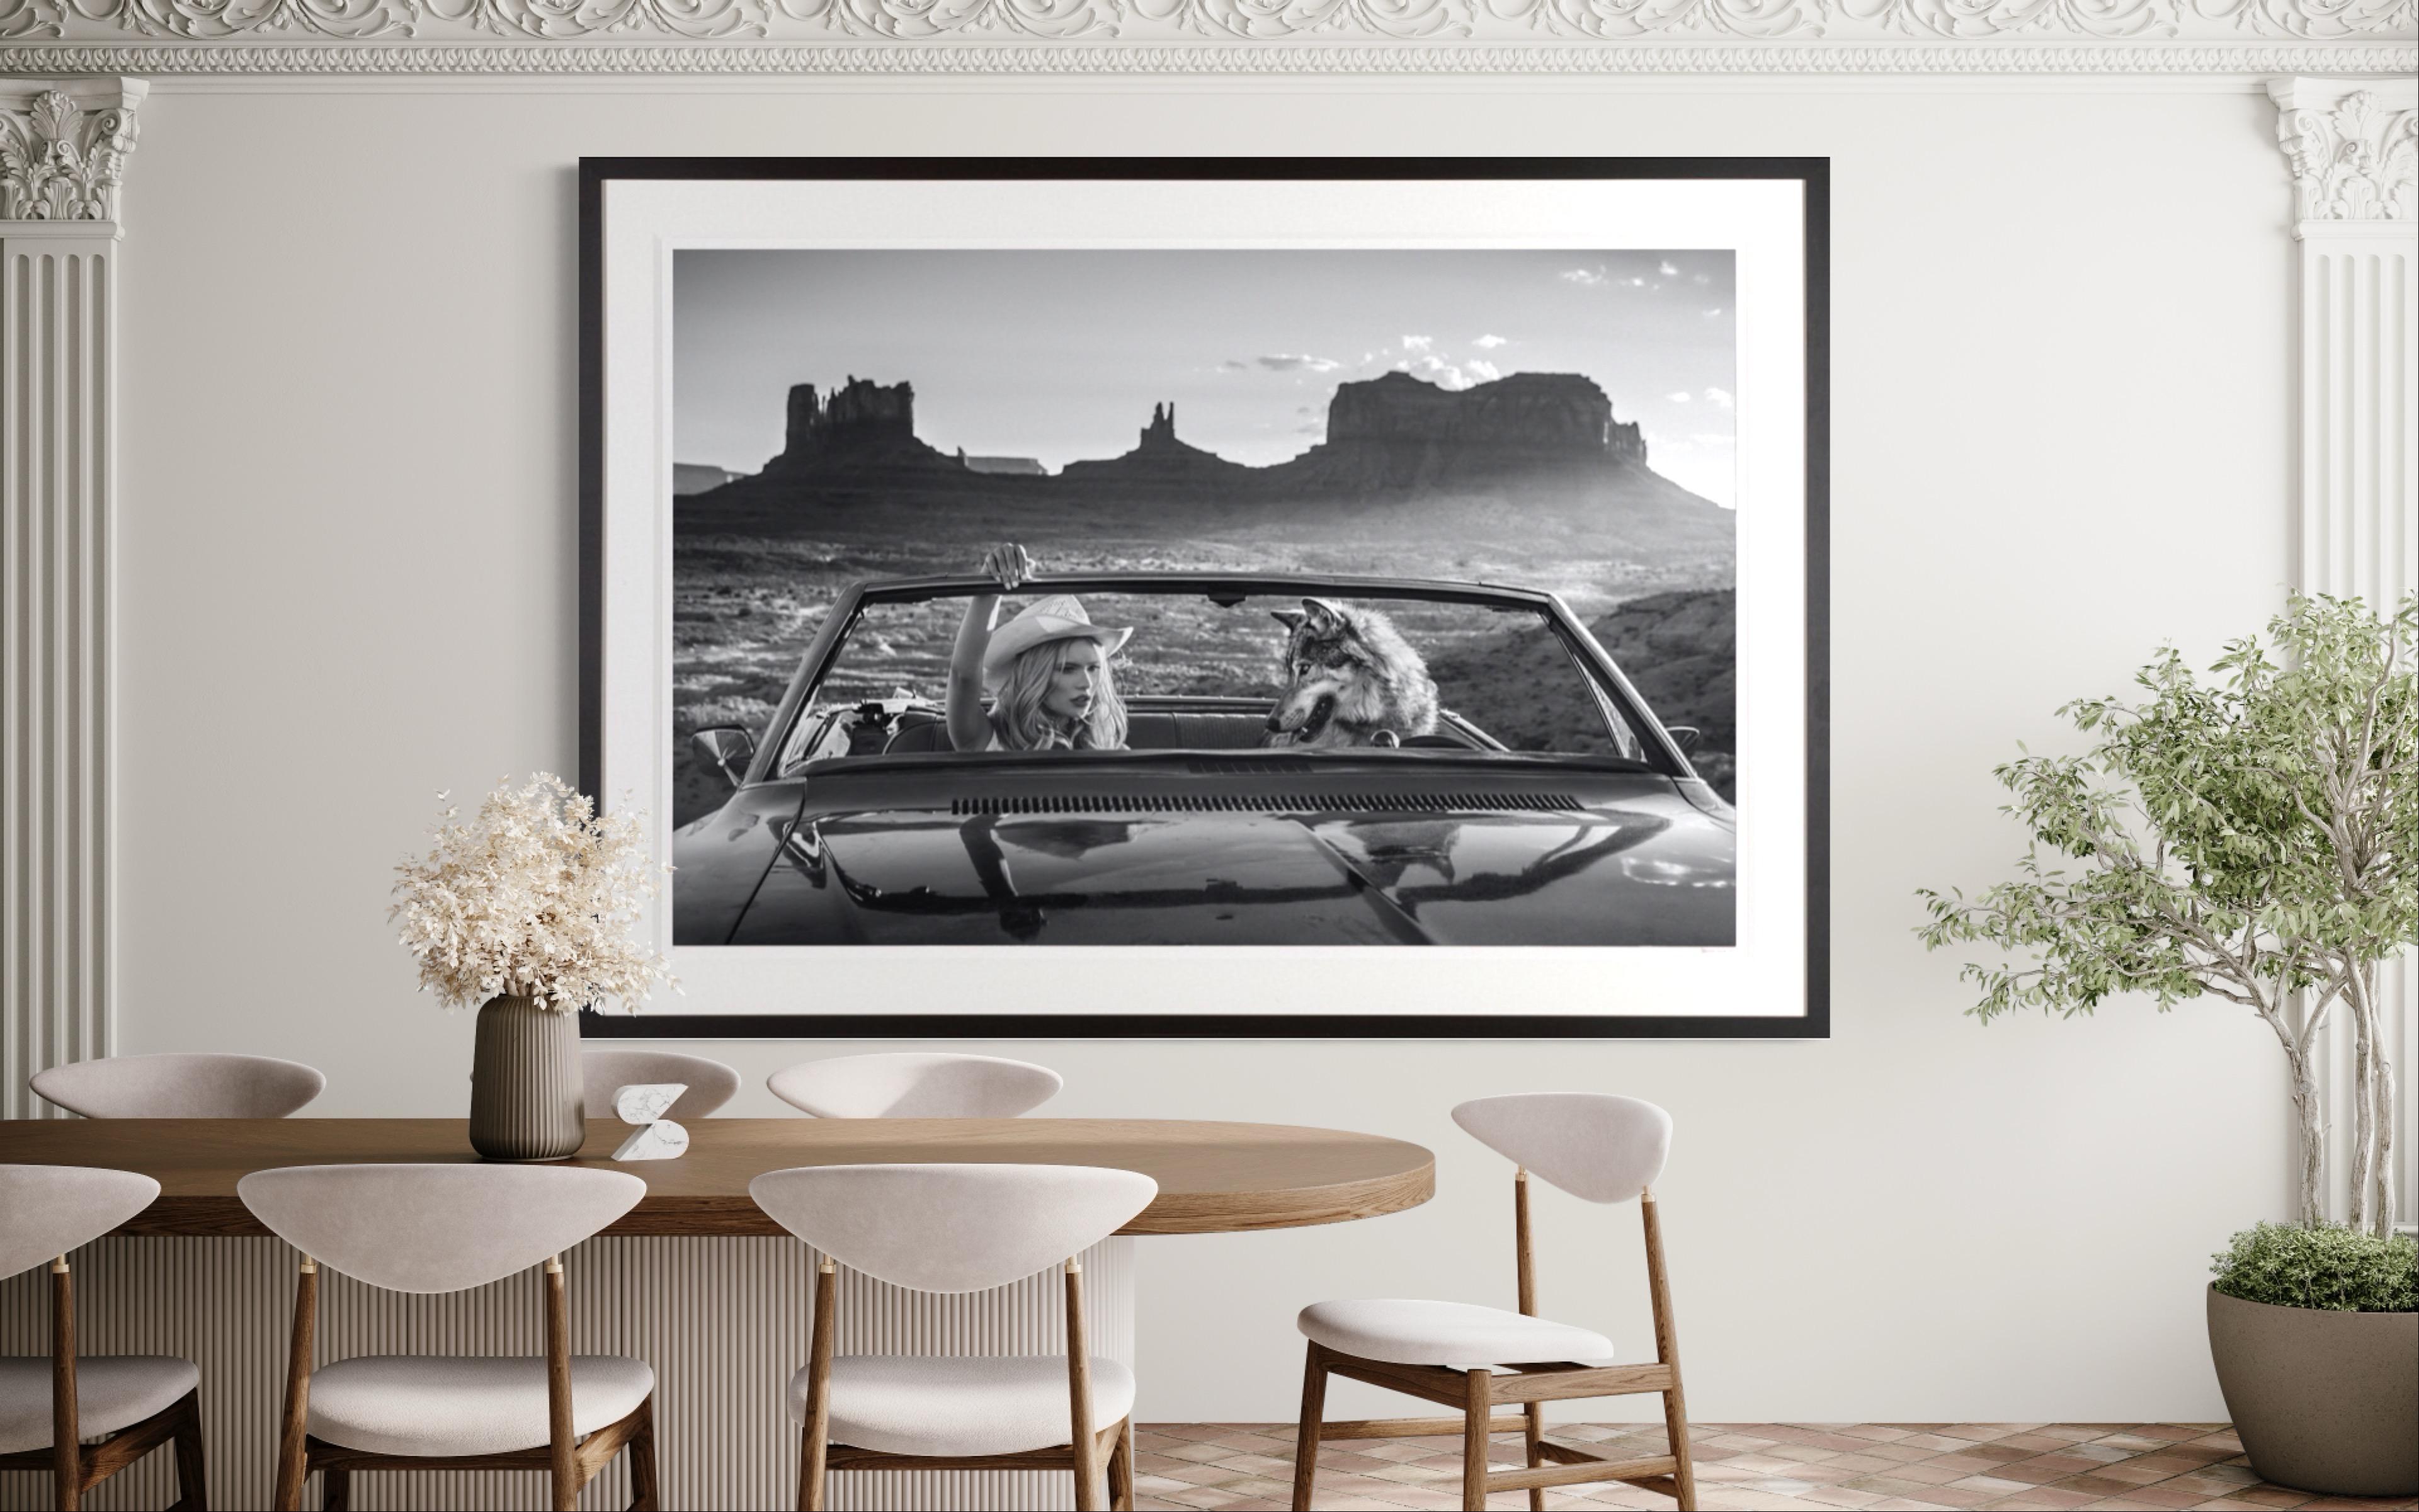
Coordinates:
[769,60]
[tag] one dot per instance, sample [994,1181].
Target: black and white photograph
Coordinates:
[1204,598]
[1093,560]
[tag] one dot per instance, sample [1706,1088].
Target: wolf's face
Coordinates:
[1350,680]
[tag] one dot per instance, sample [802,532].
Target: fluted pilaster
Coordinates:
[2349,146]
[63,153]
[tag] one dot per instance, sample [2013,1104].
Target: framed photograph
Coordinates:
[1121,597]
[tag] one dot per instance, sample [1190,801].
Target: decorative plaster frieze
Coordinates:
[1186,36]
[769,60]
[62,146]
[2353,145]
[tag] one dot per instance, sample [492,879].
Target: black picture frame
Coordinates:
[1813,176]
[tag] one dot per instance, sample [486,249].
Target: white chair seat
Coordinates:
[112,1391]
[1408,1332]
[959,1406]
[436,1405]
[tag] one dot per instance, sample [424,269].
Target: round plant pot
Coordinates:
[527,1099]
[2323,1401]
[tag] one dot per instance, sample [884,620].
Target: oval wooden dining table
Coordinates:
[695,1279]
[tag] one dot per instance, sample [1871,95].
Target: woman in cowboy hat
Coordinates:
[1047,671]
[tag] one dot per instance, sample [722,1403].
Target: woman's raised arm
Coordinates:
[969,727]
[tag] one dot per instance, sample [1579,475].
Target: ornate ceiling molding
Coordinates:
[1382,37]
[62,148]
[2353,146]
[1397,59]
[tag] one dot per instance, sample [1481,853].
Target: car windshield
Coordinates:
[1390,671]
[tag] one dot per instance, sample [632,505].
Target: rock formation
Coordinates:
[1160,462]
[860,425]
[1397,432]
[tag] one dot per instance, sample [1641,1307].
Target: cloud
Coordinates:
[1297,362]
[1638,283]
[1680,398]
[1418,343]
[1667,270]
[1234,365]
[1490,343]
[1700,278]
[1584,277]
[1721,398]
[1714,314]
[1482,370]
[1443,374]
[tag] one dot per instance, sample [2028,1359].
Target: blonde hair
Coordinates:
[1020,723]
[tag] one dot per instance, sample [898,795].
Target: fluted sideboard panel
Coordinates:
[722,1320]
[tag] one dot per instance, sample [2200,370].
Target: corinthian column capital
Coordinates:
[2350,142]
[62,146]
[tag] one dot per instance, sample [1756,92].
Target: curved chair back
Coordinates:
[916,1084]
[1593,1145]
[952,1228]
[181,1087]
[436,1227]
[53,1209]
[711,1084]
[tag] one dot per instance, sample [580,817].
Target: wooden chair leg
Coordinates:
[1675,1428]
[335,1489]
[1121,1479]
[192,1484]
[642,1461]
[1535,1434]
[811,1469]
[1314,1411]
[293,1458]
[1477,1406]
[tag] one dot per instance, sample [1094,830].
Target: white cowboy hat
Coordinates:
[1058,617]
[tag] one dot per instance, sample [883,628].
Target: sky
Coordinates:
[1060,355]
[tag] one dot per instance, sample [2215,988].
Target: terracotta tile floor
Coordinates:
[1888,1467]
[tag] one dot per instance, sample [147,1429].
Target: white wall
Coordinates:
[2059,405]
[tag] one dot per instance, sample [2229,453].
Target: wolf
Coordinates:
[1350,680]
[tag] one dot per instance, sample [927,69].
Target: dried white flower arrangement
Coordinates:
[533,898]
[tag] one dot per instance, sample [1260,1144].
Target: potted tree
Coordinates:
[2253,838]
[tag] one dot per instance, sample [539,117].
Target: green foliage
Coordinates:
[2247,837]
[2339,1269]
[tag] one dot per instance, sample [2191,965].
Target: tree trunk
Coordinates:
[2313,1150]
[2378,1078]
[2363,1100]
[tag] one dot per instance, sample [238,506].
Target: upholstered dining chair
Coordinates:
[85,1420]
[437,1228]
[711,1084]
[958,1228]
[916,1084]
[1594,1146]
[181,1087]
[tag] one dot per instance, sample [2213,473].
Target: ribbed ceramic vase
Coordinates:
[527,1099]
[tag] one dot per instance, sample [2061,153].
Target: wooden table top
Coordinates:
[1213,1177]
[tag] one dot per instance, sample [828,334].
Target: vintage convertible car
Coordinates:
[853,822]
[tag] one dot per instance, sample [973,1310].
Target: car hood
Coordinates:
[1655,871]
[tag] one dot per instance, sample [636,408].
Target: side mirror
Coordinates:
[727,748]
[1683,736]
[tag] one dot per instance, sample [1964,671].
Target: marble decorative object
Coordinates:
[660,1140]
[656,1137]
[646,1101]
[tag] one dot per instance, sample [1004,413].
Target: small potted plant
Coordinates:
[2316,1335]
[526,910]
[2253,840]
